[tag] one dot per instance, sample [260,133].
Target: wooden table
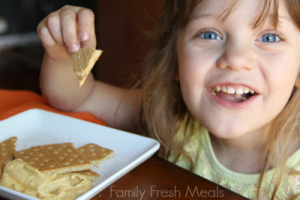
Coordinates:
[159,179]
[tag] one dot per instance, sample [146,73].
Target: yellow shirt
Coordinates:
[198,145]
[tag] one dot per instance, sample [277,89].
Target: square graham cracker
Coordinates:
[95,153]
[7,148]
[55,158]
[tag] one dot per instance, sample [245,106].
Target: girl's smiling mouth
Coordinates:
[233,96]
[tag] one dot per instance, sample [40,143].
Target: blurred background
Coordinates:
[120,29]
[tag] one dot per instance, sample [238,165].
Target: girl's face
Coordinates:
[223,61]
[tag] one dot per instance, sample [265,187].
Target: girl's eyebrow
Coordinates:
[217,17]
[281,17]
[196,17]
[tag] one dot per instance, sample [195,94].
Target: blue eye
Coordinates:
[209,35]
[270,37]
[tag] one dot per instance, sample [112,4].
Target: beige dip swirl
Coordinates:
[22,177]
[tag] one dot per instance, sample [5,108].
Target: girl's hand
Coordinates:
[66,30]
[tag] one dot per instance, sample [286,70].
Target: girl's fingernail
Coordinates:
[84,37]
[74,48]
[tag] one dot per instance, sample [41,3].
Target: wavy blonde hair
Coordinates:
[163,108]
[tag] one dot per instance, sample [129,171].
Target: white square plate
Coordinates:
[38,127]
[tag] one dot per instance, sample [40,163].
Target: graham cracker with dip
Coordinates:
[55,158]
[83,62]
[93,176]
[22,177]
[95,153]
[7,148]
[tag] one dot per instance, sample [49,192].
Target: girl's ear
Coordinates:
[297,83]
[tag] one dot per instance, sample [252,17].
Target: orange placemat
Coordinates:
[16,101]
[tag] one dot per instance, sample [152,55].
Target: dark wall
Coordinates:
[24,15]
[121,26]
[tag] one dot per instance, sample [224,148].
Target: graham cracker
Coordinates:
[7,148]
[95,153]
[83,62]
[55,158]
[93,176]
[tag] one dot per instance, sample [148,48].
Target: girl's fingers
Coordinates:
[54,49]
[45,35]
[91,42]
[68,28]
[86,32]
[53,24]
[86,23]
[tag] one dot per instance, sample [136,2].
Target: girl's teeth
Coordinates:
[246,90]
[239,91]
[230,90]
[224,89]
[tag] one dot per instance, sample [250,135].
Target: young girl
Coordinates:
[220,90]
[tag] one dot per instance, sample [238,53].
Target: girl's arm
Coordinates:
[62,33]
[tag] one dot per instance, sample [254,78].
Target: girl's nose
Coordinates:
[236,57]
